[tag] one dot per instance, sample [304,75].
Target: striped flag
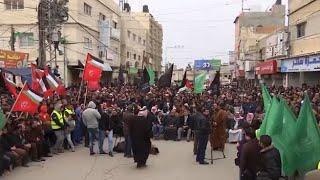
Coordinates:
[27,102]
[93,68]
[11,86]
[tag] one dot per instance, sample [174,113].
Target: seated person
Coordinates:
[18,155]
[184,124]
[235,128]
[170,125]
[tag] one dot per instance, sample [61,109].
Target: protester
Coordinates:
[90,118]
[270,160]
[249,157]
[219,123]
[58,126]
[203,132]
[140,132]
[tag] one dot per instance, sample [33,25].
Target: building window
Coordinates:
[134,56]
[14,4]
[102,17]
[129,34]
[139,57]
[87,9]
[134,37]
[144,42]
[26,40]
[115,24]
[139,40]
[128,54]
[301,29]
[87,43]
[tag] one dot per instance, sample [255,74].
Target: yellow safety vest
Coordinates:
[69,111]
[59,116]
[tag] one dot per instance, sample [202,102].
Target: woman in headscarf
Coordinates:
[140,131]
[235,128]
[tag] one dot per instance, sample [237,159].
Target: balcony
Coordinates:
[115,33]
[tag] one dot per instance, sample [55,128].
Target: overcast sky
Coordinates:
[204,27]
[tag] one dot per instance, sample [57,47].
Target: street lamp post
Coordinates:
[171,47]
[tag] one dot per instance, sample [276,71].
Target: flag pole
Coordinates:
[80,89]
[81,85]
[15,102]
[85,97]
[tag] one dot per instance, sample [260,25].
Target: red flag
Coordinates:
[61,90]
[188,84]
[11,86]
[93,85]
[27,102]
[35,79]
[93,68]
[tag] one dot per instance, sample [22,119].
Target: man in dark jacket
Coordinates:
[128,117]
[270,160]
[203,131]
[249,157]
[103,126]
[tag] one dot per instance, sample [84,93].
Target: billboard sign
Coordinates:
[207,65]
[12,59]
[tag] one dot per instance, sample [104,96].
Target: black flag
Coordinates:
[144,83]
[184,80]
[215,84]
[165,79]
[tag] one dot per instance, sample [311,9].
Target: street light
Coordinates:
[171,47]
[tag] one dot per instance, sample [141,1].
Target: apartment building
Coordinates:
[93,27]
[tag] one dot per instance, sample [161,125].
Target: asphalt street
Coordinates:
[175,162]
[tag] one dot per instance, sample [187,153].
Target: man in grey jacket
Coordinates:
[90,118]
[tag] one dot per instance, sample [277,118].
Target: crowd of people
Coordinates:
[65,122]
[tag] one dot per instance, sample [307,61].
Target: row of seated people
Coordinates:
[21,142]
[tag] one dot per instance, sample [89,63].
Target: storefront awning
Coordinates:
[267,67]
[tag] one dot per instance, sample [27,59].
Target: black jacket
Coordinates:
[203,126]
[105,118]
[4,143]
[249,159]
[270,164]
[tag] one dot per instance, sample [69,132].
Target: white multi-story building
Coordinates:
[93,27]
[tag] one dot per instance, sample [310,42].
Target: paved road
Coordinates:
[175,162]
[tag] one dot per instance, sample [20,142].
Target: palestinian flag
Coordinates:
[27,102]
[185,82]
[215,84]
[93,85]
[11,86]
[93,68]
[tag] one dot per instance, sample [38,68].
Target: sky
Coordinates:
[203,29]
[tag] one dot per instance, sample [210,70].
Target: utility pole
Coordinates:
[12,39]
[42,34]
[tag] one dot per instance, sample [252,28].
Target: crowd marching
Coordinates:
[67,121]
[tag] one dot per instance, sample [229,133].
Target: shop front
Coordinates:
[267,72]
[301,70]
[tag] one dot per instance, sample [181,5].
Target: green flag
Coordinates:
[3,119]
[266,98]
[284,141]
[133,70]
[199,83]
[152,76]
[307,140]
[271,113]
